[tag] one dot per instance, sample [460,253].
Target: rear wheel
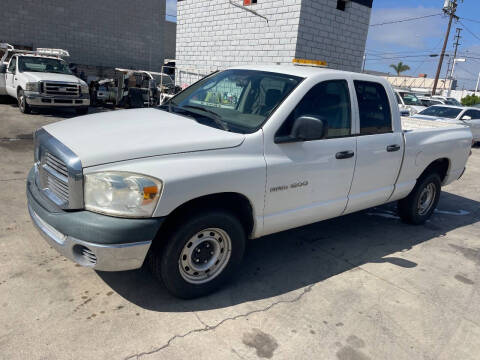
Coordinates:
[22,102]
[200,255]
[419,205]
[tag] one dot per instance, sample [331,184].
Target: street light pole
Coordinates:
[452,73]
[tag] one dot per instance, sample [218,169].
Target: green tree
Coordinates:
[400,67]
[470,100]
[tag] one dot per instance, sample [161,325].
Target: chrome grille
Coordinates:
[59,172]
[56,164]
[56,175]
[63,89]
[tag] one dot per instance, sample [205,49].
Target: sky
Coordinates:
[411,42]
[171,10]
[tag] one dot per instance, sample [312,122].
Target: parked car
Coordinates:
[428,101]
[454,114]
[242,153]
[408,101]
[447,100]
[41,79]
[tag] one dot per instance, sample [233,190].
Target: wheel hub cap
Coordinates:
[205,255]
[426,199]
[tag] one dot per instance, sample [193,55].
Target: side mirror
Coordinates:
[3,69]
[305,128]
[466,117]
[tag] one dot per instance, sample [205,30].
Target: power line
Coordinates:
[406,19]
[470,31]
[464,18]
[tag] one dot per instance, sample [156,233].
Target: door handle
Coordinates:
[344,154]
[391,148]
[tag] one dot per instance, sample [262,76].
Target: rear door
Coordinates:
[473,122]
[379,148]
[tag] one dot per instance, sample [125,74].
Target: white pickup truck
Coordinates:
[41,79]
[243,153]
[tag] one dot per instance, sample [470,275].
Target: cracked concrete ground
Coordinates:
[364,286]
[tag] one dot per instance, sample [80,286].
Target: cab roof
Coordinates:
[303,71]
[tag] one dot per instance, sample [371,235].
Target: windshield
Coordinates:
[39,64]
[410,99]
[441,112]
[238,100]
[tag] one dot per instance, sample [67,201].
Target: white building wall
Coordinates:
[335,36]
[214,34]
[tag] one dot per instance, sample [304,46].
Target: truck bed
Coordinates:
[409,124]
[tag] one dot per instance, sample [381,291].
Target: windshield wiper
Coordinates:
[217,118]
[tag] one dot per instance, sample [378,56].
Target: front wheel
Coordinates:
[419,205]
[200,255]
[22,103]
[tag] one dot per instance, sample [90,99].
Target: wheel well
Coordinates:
[18,89]
[440,166]
[236,203]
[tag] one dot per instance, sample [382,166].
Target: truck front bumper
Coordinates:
[93,240]
[41,100]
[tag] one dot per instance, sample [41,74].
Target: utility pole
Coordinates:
[456,44]
[457,39]
[449,9]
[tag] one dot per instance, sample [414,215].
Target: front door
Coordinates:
[10,77]
[309,181]
[379,148]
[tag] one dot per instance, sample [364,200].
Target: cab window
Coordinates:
[328,101]
[374,108]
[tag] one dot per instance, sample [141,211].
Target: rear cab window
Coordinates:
[374,108]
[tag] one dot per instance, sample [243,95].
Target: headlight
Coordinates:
[32,86]
[84,89]
[121,193]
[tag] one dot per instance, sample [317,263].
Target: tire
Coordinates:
[200,254]
[22,103]
[419,205]
[82,110]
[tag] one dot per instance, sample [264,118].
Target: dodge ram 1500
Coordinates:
[245,152]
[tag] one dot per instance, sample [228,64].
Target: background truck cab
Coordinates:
[41,78]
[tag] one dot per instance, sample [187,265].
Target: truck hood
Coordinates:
[129,134]
[44,76]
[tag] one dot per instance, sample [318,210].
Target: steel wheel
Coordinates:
[426,199]
[21,101]
[205,255]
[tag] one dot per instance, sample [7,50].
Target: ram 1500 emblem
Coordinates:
[286,187]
